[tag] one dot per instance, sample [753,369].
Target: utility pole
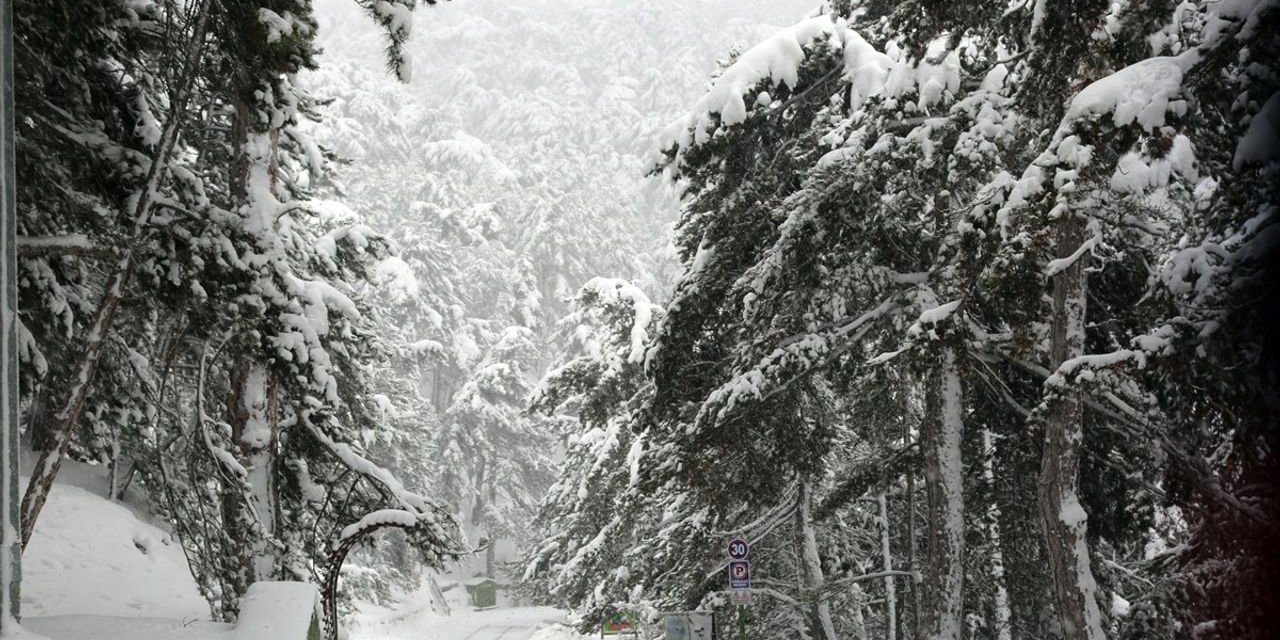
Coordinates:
[10,547]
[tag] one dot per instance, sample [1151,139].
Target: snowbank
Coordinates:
[92,556]
[104,628]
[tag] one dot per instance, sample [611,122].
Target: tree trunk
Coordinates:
[814,580]
[911,538]
[890,592]
[235,518]
[257,440]
[113,466]
[479,521]
[859,620]
[491,554]
[944,484]
[1003,615]
[1061,515]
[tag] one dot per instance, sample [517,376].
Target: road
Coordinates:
[496,632]
[514,623]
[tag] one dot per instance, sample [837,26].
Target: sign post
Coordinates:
[740,580]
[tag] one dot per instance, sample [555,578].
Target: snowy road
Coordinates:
[491,632]
[514,623]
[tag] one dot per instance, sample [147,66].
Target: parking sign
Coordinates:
[739,574]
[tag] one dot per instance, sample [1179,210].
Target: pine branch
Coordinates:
[67,245]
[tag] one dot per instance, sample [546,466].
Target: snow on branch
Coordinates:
[1261,142]
[74,244]
[281,25]
[1087,368]
[396,19]
[29,352]
[1059,265]
[422,507]
[777,60]
[795,358]
[614,291]
[1142,93]
[380,518]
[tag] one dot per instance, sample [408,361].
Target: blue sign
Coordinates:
[739,575]
[738,549]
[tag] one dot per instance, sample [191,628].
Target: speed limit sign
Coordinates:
[738,549]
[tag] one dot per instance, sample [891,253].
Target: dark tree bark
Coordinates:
[1061,515]
[944,487]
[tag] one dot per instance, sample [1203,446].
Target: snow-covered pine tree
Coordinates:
[493,457]
[589,393]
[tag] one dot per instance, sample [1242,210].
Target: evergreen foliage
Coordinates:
[906,227]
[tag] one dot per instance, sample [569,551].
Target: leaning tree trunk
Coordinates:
[1061,515]
[814,580]
[50,460]
[944,484]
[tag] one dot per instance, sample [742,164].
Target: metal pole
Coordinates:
[10,548]
[742,623]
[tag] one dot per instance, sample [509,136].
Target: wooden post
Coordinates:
[10,548]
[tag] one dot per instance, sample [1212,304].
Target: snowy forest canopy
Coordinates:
[963,314]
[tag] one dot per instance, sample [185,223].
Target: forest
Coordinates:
[964,315]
